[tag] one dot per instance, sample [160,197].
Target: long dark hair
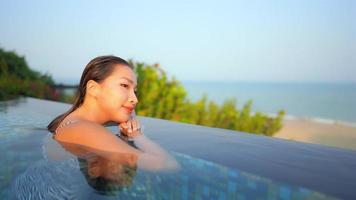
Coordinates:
[97,70]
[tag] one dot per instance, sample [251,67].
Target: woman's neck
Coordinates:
[89,113]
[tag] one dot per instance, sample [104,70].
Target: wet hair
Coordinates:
[105,186]
[97,70]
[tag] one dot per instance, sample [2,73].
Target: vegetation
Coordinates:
[16,79]
[159,97]
[165,98]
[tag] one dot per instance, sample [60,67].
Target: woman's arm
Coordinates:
[99,139]
[94,136]
[155,158]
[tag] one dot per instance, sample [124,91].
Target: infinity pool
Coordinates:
[215,163]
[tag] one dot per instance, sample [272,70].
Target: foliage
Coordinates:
[16,78]
[159,97]
[165,98]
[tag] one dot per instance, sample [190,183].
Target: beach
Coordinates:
[331,134]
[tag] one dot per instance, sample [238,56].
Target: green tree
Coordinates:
[16,78]
[159,97]
[165,98]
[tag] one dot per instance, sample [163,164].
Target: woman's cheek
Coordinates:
[122,97]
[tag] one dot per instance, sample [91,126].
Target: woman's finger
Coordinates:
[138,125]
[122,126]
[129,126]
[134,125]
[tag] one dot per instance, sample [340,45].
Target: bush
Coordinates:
[16,79]
[159,97]
[165,98]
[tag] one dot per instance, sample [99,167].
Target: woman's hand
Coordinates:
[130,129]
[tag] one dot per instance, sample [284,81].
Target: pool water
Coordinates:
[28,173]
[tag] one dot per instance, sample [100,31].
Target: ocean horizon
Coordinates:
[322,102]
[318,101]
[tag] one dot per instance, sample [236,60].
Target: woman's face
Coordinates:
[117,97]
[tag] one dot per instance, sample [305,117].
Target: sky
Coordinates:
[265,40]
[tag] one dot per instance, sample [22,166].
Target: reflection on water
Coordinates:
[63,175]
[66,176]
[35,166]
[105,176]
[106,172]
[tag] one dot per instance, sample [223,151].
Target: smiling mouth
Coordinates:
[129,110]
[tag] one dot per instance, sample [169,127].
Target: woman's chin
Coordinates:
[123,118]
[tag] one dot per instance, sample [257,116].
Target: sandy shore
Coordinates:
[337,135]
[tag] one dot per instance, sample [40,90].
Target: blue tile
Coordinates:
[206,190]
[231,186]
[284,193]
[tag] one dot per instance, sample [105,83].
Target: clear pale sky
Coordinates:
[266,40]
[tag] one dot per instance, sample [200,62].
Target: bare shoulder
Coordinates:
[79,129]
[93,135]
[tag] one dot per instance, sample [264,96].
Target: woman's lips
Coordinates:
[128,109]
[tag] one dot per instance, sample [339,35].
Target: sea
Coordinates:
[323,102]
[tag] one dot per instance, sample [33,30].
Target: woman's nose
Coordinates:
[133,99]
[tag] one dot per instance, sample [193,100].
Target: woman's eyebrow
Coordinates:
[129,80]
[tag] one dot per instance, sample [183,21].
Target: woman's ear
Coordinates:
[93,88]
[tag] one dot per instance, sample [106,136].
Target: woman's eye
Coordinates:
[124,85]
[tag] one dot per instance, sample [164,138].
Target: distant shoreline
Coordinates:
[287,117]
[318,132]
[65,86]
[319,101]
[317,120]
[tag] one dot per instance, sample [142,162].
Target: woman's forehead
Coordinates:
[125,73]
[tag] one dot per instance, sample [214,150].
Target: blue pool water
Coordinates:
[27,172]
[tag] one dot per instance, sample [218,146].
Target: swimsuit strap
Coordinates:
[62,125]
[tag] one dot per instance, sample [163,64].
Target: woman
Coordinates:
[107,93]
